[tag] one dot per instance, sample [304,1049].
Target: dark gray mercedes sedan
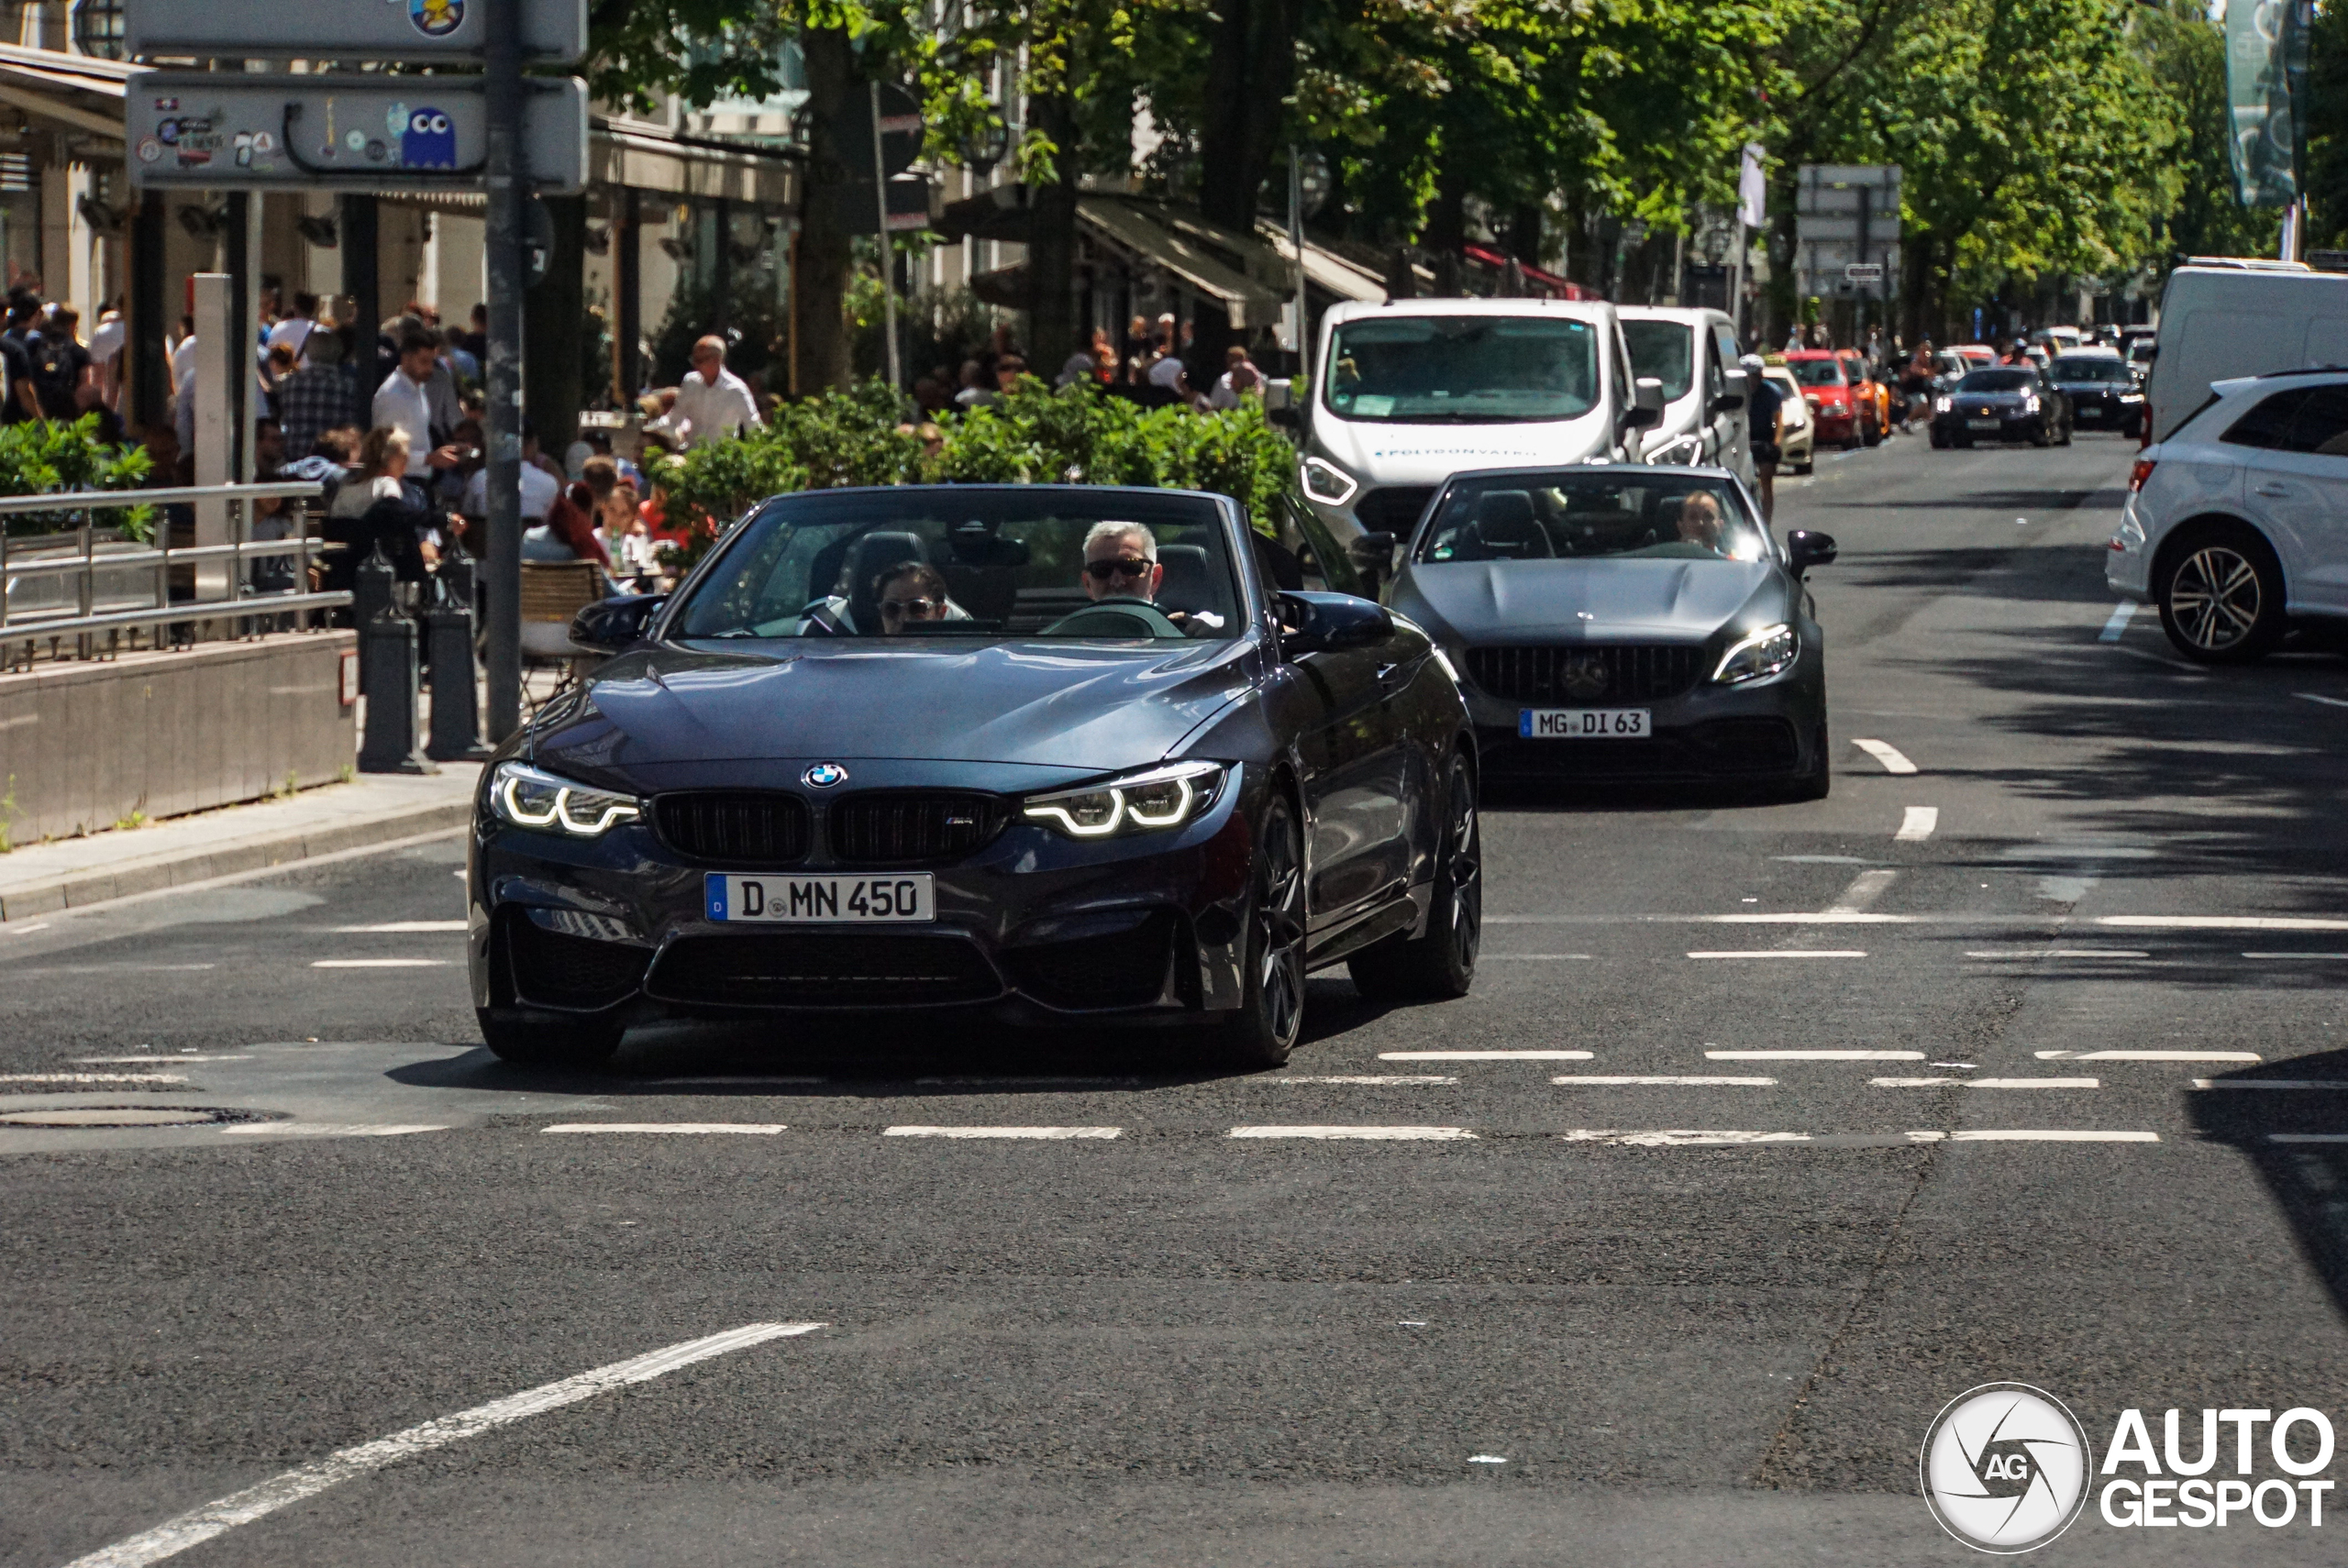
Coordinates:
[1618,619]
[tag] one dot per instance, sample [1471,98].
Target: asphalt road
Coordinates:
[1706,1318]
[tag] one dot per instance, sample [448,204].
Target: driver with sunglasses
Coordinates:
[1121,562]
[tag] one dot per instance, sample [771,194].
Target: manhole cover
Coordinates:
[122,1115]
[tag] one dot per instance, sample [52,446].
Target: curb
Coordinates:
[99,886]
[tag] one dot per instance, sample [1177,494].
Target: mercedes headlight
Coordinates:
[530,799]
[1148,802]
[1766,652]
[1327,483]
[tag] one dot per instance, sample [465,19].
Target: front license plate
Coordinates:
[1981,423]
[905,896]
[1583,723]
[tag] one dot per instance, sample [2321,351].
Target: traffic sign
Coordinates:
[908,205]
[1863,272]
[900,134]
[552,30]
[1846,227]
[343,131]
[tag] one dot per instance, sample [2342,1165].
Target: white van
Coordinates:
[1693,354]
[2239,319]
[1412,391]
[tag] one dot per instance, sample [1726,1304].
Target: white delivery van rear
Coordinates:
[2221,322]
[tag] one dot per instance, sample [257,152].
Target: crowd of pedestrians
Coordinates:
[1153,366]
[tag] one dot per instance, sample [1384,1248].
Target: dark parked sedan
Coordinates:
[2002,403]
[1612,620]
[2101,390]
[1061,755]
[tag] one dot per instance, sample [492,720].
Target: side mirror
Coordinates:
[1279,392]
[1727,403]
[1287,417]
[1326,623]
[1805,548]
[1372,555]
[612,625]
[1647,404]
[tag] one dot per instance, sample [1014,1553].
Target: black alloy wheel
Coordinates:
[1441,965]
[1271,1012]
[547,1039]
[2221,594]
[1818,779]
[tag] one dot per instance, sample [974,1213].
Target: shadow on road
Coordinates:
[2308,1180]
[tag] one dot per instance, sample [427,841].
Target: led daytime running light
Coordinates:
[1194,784]
[1761,638]
[558,813]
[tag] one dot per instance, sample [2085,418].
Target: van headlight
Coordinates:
[1327,483]
[1148,802]
[528,798]
[1767,652]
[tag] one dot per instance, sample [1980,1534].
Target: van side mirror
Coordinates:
[612,625]
[1326,623]
[1647,404]
[1806,547]
[1287,417]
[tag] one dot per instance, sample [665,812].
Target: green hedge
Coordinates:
[1033,436]
[42,457]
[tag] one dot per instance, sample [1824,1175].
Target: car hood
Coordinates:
[1588,601]
[1088,709]
[1381,454]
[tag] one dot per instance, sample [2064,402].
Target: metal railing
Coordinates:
[74,583]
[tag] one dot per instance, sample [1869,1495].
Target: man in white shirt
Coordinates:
[539,488]
[294,330]
[1240,378]
[404,400]
[713,402]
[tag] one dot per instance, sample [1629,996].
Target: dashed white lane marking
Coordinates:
[2271,1083]
[1676,1138]
[150,1060]
[2035,1135]
[2058,953]
[2321,955]
[1813,1055]
[1370,1134]
[2327,702]
[2221,923]
[1916,825]
[1987,1083]
[199,1524]
[2118,625]
[1864,890]
[1486,1459]
[1887,754]
[1637,1079]
[1048,1132]
[93,1077]
[1791,952]
[762,1128]
[401,927]
[328,1129]
[1531,957]
[380,963]
[26,929]
[1405,1078]
[1484,1055]
[2148,1056]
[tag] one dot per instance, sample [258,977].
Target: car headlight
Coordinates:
[2132,397]
[1810,398]
[2030,405]
[1943,403]
[530,799]
[1148,802]
[1327,483]
[1766,652]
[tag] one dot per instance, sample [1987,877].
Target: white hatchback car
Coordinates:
[2237,525]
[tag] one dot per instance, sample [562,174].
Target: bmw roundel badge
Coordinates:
[824,775]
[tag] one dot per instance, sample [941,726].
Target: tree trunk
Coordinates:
[819,291]
[1051,248]
[552,347]
[1251,72]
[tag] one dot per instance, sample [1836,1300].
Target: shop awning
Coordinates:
[638,156]
[79,92]
[1326,269]
[1250,303]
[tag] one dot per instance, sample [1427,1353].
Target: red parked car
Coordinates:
[1834,401]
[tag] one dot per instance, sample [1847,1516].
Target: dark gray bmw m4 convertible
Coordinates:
[1058,755]
[1616,619]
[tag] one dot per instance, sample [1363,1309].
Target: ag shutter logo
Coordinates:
[2005,1468]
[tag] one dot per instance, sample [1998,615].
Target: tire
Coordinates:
[2065,439]
[1814,784]
[1441,965]
[547,1039]
[2221,594]
[1940,440]
[1804,468]
[1872,434]
[1271,1013]
[2041,436]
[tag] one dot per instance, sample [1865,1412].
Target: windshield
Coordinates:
[1463,369]
[1549,515]
[2094,370]
[1666,350]
[942,562]
[1999,380]
[1817,373]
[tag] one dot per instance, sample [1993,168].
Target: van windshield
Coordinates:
[1465,370]
[1666,350]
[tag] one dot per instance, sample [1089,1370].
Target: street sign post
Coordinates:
[1846,221]
[552,30]
[343,131]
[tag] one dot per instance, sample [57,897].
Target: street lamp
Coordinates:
[984,148]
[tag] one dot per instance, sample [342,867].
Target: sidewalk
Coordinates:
[375,808]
